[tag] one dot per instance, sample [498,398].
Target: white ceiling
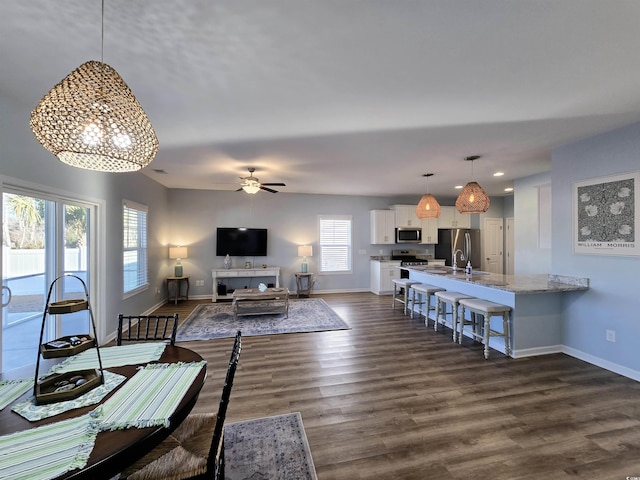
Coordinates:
[344,96]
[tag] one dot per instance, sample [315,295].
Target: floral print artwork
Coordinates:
[606,212]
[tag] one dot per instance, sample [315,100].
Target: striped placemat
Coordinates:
[33,412]
[12,389]
[112,357]
[46,452]
[149,398]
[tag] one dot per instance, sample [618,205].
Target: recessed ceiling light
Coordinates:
[498,174]
[458,187]
[508,189]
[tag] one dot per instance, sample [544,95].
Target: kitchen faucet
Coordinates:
[454,261]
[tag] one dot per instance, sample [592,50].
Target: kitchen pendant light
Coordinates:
[92,120]
[428,207]
[472,198]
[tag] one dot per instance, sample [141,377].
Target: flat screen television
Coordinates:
[241,242]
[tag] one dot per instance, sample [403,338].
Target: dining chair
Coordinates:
[195,449]
[147,328]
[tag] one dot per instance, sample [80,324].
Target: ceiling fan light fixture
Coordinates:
[473,198]
[251,187]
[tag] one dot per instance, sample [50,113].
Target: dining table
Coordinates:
[115,448]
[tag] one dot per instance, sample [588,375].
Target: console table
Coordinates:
[220,273]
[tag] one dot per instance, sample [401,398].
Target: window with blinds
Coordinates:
[335,243]
[134,252]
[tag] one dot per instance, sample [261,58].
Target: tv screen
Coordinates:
[241,242]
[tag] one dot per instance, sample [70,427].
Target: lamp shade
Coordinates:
[305,251]
[178,252]
[428,207]
[472,199]
[92,120]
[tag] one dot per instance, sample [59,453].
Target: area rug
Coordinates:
[270,448]
[215,320]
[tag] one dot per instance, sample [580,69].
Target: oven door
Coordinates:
[408,235]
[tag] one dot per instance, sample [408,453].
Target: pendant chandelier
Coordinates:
[428,207]
[472,198]
[92,120]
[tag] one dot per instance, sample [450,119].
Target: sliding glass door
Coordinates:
[43,237]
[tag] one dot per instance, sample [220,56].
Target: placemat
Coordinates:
[112,357]
[32,412]
[12,389]
[149,398]
[49,451]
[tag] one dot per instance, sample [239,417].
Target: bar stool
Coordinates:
[442,300]
[428,291]
[487,309]
[398,284]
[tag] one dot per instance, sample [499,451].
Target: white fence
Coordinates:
[21,263]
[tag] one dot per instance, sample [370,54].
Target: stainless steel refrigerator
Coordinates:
[465,242]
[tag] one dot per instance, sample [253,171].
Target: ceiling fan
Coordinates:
[252,185]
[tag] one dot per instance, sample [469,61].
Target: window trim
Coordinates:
[348,218]
[143,283]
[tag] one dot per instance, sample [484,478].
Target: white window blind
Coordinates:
[134,253]
[335,243]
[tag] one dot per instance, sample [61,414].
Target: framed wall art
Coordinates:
[605,215]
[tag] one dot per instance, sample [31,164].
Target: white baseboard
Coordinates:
[599,362]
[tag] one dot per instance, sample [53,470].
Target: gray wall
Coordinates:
[612,301]
[291,220]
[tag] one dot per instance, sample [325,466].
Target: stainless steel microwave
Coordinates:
[408,235]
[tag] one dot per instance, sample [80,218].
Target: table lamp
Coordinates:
[178,253]
[304,251]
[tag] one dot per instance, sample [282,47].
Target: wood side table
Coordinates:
[178,288]
[304,283]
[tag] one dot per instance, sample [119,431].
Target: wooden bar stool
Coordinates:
[426,290]
[442,300]
[399,284]
[487,309]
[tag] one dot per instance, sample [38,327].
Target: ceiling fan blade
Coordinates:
[274,184]
[239,190]
[262,187]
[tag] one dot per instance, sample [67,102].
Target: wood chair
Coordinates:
[147,328]
[195,449]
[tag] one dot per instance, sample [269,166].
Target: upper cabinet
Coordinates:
[451,218]
[382,226]
[406,216]
[429,230]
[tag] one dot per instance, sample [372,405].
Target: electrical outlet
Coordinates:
[362,252]
[611,336]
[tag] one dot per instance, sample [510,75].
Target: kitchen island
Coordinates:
[536,302]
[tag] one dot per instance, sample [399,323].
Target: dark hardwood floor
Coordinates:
[390,398]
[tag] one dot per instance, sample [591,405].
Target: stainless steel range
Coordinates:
[408,258]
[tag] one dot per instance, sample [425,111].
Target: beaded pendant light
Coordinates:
[92,120]
[472,198]
[428,207]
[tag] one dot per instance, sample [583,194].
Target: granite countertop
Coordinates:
[382,258]
[521,284]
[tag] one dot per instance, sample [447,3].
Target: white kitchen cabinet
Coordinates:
[406,216]
[382,227]
[451,218]
[429,230]
[382,274]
